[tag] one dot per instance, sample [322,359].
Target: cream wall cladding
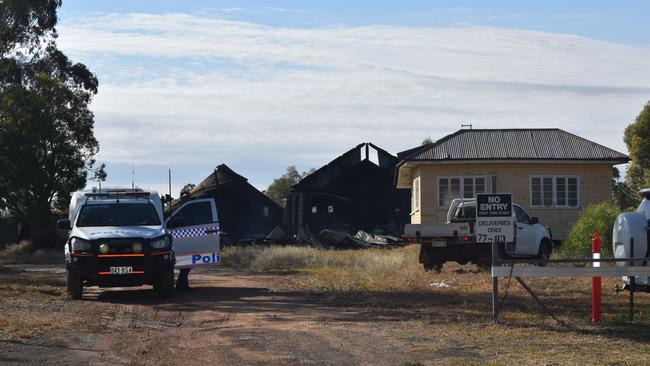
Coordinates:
[416,214]
[594,185]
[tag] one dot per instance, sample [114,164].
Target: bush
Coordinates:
[600,218]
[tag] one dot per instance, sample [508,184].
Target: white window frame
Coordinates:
[416,193]
[554,194]
[461,188]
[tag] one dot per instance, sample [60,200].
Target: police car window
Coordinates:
[196,213]
[118,214]
[522,216]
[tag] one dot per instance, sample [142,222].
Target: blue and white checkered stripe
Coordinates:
[193,232]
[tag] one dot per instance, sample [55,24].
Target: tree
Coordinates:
[427,141]
[187,188]
[281,187]
[47,143]
[99,175]
[24,23]
[637,139]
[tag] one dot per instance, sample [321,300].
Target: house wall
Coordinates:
[416,215]
[594,182]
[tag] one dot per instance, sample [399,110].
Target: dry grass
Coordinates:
[391,285]
[20,326]
[14,283]
[23,253]
[24,297]
[337,270]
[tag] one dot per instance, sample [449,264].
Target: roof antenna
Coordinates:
[467,125]
[133,174]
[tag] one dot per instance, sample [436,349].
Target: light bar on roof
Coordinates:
[115,194]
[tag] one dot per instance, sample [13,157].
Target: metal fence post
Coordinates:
[596,295]
[495,285]
[632,282]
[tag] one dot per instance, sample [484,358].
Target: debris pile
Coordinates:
[351,202]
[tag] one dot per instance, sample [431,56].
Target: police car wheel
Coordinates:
[164,285]
[74,284]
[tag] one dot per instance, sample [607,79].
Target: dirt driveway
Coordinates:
[230,319]
[240,318]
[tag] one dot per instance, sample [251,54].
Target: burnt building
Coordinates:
[354,192]
[244,213]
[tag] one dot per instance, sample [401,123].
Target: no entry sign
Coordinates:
[494,221]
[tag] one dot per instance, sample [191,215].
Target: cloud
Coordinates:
[179,87]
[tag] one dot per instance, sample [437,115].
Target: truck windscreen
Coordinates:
[118,214]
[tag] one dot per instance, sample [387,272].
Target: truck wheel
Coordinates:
[545,249]
[164,284]
[501,249]
[74,284]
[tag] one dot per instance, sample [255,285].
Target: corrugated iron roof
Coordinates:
[515,144]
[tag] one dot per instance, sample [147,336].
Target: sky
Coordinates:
[259,86]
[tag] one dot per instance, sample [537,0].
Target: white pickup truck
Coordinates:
[455,240]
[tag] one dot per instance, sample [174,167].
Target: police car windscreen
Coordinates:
[118,214]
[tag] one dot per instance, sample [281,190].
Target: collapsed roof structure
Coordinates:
[245,214]
[348,201]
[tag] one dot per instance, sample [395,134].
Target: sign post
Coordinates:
[494,222]
[494,225]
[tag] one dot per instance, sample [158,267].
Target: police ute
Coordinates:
[117,238]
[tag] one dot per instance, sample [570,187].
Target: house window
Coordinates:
[450,188]
[415,195]
[330,209]
[314,209]
[265,210]
[559,191]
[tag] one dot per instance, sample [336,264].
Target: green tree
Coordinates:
[47,143]
[187,188]
[281,187]
[99,175]
[25,23]
[427,141]
[637,139]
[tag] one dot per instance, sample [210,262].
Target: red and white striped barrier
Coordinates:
[596,294]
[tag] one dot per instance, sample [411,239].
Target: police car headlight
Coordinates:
[137,247]
[80,245]
[161,243]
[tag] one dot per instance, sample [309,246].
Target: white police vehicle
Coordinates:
[117,238]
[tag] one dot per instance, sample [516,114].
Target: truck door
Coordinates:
[525,233]
[195,232]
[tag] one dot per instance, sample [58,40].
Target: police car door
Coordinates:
[195,230]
